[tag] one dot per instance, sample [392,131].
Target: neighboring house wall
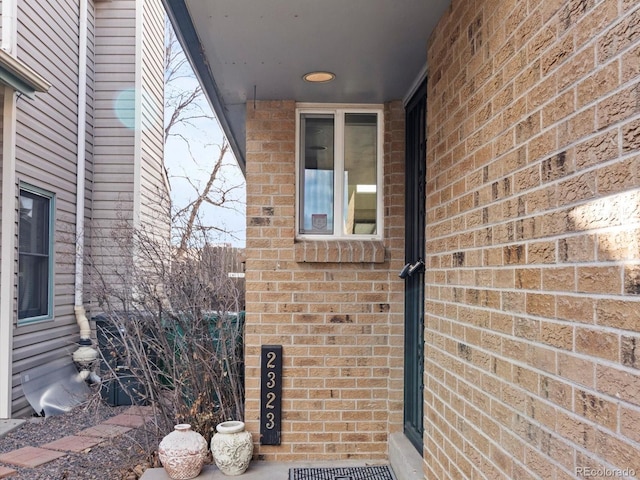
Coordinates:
[131,190]
[533,313]
[46,149]
[340,324]
[90,148]
[154,184]
[46,156]
[2,88]
[229,261]
[114,128]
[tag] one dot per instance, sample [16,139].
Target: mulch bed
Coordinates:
[122,458]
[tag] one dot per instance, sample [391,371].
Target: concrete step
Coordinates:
[261,470]
[8,424]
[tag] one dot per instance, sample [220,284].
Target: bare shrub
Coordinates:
[173,329]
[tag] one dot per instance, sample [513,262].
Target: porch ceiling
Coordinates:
[246,49]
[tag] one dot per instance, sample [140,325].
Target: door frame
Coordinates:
[415,222]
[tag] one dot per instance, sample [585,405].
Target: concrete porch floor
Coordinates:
[8,424]
[260,470]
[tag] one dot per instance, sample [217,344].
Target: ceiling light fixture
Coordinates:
[319,77]
[365,188]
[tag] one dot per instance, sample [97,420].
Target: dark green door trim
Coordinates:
[414,275]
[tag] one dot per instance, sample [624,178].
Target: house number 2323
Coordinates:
[270,394]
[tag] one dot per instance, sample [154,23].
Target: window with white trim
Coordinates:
[35,255]
[339,174]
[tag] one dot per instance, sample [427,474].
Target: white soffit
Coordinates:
[20,77]
[376,48]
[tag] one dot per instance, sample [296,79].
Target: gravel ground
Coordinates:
[122,458]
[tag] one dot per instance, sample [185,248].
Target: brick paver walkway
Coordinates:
[73,443]
[33,457]
[30,456]
[127,420]
[104,430]
[6,471]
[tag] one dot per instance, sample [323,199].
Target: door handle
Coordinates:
[404,273]
[409,269]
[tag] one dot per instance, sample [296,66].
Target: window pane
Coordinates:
[33,286]
[360,177]
[34,223]
[33,262]
[317,171]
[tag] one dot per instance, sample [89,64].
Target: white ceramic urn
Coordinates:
[183,452]
[232,447]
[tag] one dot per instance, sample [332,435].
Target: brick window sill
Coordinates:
[339,251]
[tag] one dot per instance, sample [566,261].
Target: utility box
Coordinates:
[120,387]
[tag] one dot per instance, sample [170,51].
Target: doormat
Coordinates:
[377,472]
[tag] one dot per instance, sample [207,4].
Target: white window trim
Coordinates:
[52,209]
[338,110]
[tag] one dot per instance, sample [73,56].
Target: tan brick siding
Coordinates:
[340,323]
[533,318]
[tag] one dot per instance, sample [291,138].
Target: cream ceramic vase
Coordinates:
[183,452]
[232,447]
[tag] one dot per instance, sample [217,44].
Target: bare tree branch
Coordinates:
[202,197]
[182,103]
[185,110]
[174,325]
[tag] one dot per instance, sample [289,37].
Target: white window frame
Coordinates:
[339,111]
[24,187]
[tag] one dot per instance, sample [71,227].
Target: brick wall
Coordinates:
[533,236]
[335,307]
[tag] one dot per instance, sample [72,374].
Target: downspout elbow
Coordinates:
[83,322]
[85,356]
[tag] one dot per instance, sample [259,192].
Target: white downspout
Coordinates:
[9,25]
[85,355]
[138,112]
[8,221]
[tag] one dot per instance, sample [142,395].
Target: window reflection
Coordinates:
[34,256]
[317,195]
[360,178]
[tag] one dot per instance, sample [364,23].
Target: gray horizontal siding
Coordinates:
[118,46]
[59,28]
[153,187]
[46,156]
[56,335]
[114,143]
[89,175]
[37,355]
[1,137]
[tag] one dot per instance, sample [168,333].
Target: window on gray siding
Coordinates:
[35,259]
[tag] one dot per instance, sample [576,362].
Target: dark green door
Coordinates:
[413,273]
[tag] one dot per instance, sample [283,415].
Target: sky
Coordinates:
[190,154]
